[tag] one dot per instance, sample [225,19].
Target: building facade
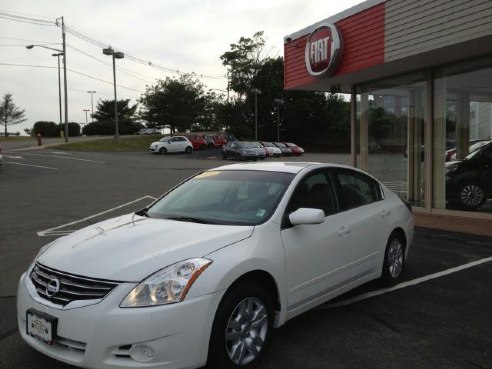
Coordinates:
[419,73]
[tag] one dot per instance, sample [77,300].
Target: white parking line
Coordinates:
[413,282]
[30,165]
[56,232]
[65,157]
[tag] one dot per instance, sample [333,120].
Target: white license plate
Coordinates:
[41,326]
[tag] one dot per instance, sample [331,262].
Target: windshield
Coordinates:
[165,138]
[224,197]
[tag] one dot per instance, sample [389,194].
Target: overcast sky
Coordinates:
[184,35]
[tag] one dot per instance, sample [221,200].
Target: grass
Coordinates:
[130,143]
[17,138]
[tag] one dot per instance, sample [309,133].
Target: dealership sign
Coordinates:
[323,50]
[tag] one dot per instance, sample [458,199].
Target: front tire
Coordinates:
[394,259]
[162,151]
[471,195]
[242,328]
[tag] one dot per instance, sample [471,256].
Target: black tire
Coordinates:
[224,156]
[471,195]
[394,259]
[239,157]
[163,151]
[203,147]
[245,317]
[188,150]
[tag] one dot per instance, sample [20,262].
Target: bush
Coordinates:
[107,128]
[73,129]
[46,129]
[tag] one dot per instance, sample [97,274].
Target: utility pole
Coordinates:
[86,111]
[92,104]
[65,76]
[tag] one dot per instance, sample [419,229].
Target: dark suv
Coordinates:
[469,181]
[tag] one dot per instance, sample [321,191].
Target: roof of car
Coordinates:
[287,167]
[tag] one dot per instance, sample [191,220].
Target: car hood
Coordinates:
[131,247]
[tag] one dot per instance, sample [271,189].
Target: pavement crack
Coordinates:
[386,324]
[8,297]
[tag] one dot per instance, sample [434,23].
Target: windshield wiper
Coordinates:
[143,212]
[191,219]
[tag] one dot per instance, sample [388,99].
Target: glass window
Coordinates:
[462,127]
[356,189]
[314,191]
[224,197]
[390,134]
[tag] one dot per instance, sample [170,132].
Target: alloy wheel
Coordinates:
[246,331]
[395,258]
[472,195]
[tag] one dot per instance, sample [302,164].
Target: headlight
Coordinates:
[168,285]
[451,168]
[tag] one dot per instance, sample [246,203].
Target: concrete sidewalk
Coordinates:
[481,227]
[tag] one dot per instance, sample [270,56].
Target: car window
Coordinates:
[314,191]
[225,197]
[356,189]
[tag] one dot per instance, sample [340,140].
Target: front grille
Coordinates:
[71,287]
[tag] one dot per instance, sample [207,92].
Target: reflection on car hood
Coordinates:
[131,247]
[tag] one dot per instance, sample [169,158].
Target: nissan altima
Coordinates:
[203,275]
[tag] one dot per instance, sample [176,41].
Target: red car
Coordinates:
[219,140]
[296,150]
[198,142]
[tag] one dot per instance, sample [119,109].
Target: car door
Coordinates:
[174,144]
[318,256]
[368,217]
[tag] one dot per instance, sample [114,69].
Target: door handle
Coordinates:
[344,230]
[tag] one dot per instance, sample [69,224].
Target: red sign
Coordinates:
[323,50]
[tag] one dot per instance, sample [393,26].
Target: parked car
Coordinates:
[198,142]
[296,150]
[204,274]
[240,150]
[149,131]
[474,146]
[260,150]
[170,144]
[271,149]
[210,141]
[219,140]
[469,181]
[286,151]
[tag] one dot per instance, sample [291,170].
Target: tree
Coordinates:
[243,62]
[180,103]
[10,114]
[105,111]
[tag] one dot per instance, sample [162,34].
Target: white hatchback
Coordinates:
[169,144]
[205,273]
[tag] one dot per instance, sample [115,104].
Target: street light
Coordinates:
[59,53]
[256,91]
[92,104]
[116,55]
[278,102]
[86,111]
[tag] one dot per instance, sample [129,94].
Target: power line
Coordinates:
[22,19]
[71,70]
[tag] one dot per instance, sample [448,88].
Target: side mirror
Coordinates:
[307,216]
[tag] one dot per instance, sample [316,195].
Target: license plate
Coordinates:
[41,326]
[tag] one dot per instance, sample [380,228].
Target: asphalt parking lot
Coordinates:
[440,317]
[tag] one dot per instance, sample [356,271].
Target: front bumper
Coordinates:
[107,336]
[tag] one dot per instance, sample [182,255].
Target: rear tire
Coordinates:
[242,328]
[394,259]
[188,150]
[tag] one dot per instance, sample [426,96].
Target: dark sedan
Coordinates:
[469,181]
[241,150]
[286,151]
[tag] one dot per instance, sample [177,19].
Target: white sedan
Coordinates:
[205,273]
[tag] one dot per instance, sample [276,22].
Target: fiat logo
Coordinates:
[53,287]
[323,50]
